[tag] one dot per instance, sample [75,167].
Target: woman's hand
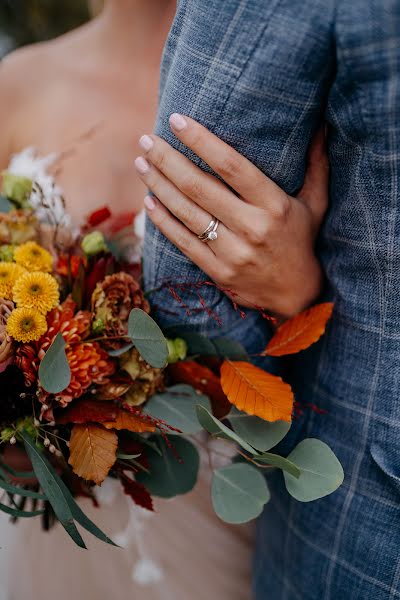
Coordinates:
[264,253]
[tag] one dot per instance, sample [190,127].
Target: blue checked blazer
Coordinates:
[261,74]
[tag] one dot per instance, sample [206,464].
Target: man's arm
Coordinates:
[256,75]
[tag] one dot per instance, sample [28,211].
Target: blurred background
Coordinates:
[26,21]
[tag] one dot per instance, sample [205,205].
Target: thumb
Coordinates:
[314,192]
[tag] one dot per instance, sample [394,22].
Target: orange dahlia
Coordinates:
[90,364]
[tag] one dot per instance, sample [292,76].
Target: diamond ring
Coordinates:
[210,233]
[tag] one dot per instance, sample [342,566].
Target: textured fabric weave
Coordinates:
[261,74]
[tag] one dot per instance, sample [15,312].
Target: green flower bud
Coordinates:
[98,326]
[93,243]
[27,425]
[177,350]
[7,252]
[6,434]
[16,188]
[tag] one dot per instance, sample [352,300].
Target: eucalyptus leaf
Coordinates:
[280,462]
[54,370]
[230,349]
[215,427]
[80,516]
[18,474]
[148,338]
[123,456]
[50,484]
[260,434]
[119,351]
[145,441]
[14,512]
[197,344]
[5,204]
[239,493]
[14,489]
[169,475]
[177,407]
[321,471]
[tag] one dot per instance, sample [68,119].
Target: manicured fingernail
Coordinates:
[149,203]
[142,165]
[146,143]
[177,122]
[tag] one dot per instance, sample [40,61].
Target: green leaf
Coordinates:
[14,489]
[202,346]
[177,407]
[148,338]
[49,481]
[123,456]
[280,462]
[321,472]
[230,349]
[170,476]
[215,427]
[80,516]
[258,433]
[239,493]
[54,370]
[14,512]
[19,474]
[145,441]
[5,204]
[197,344]
[119,351]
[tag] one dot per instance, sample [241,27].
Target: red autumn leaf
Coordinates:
[86,411]
[69,264]
[98,216]
[203,379]
[257,392]
[121,221]
[137,492]
[97,269]
[301,331]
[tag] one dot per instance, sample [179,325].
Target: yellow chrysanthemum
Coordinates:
[26,325]
[36,290]
[33,257]
[9,273]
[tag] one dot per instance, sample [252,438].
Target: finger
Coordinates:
[192,216]
[181,237]
[236,170]
[206,191]
[315,190]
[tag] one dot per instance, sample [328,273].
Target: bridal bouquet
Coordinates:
[92,388]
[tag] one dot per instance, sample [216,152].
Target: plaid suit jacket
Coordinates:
[261,74]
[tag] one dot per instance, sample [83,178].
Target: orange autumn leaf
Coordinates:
[301,331]
[93,451]
[256,392]
[125,420]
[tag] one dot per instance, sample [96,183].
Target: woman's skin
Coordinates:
[88,95]
[264,254]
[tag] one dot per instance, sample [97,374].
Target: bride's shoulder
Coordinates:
[33,66]
[19,71]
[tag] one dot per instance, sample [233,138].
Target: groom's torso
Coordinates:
[261,74]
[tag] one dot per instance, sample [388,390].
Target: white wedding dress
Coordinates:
[182,551]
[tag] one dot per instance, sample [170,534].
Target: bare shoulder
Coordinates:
[29,73]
